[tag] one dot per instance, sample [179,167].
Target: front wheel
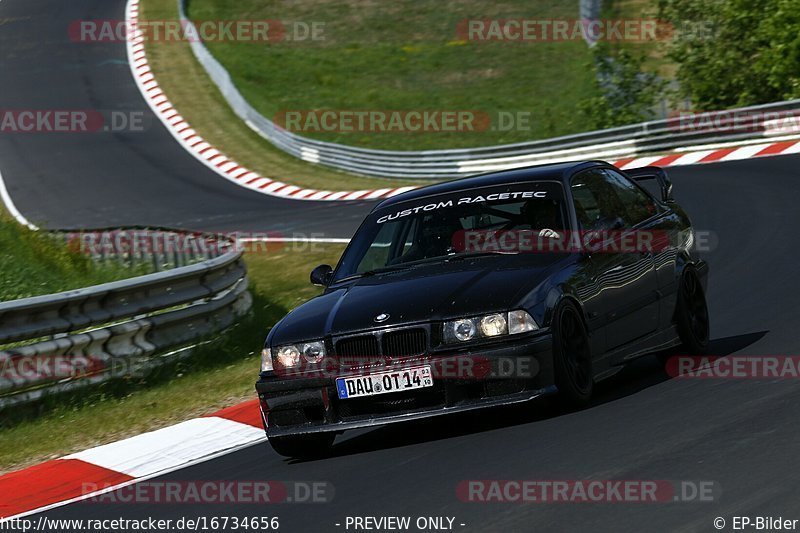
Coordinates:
[691,314]
[572,355]
[303,446]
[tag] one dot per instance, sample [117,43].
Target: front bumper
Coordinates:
[517,370]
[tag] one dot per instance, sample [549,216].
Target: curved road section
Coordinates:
[736,435]
[133,173]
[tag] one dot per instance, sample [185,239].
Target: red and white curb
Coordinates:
[233,171]
[111,466]
[202,150]
[718,154]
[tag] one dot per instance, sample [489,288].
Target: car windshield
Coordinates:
[436,228]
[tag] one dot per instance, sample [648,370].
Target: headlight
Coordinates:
[266,360]
[464,330]
[493,325]
[290,355]
[313,351]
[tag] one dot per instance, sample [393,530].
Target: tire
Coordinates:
[572,356]
[691,314]
[303,446]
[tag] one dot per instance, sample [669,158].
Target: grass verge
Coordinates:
[219,374]
[408,55]
[33,263]
[199,101]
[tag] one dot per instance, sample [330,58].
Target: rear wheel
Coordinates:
[691,314]
[303,446]
[572,355]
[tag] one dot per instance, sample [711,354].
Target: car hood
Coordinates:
[422,293]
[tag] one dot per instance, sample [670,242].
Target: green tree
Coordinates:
[735,52]
[626,93]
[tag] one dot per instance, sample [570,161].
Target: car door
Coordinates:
[668,230]
[624,276]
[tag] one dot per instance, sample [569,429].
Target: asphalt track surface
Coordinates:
[741,434]
[104,179]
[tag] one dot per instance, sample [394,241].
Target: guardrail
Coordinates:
[65,341]
[158,249]
[614,143]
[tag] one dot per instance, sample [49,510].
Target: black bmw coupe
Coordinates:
[486,291]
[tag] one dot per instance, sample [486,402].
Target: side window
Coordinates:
[597,203]
[638,204]
[605,199]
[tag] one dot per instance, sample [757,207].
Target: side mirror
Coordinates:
[322,275]
[657,173]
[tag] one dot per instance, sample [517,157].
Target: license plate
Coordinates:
[384,382]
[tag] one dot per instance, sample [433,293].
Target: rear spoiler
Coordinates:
[656,173]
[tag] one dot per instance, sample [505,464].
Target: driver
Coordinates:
[541,215]
[434,239]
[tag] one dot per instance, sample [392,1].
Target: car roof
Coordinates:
[550,172]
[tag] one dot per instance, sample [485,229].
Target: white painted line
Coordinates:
[9,203]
